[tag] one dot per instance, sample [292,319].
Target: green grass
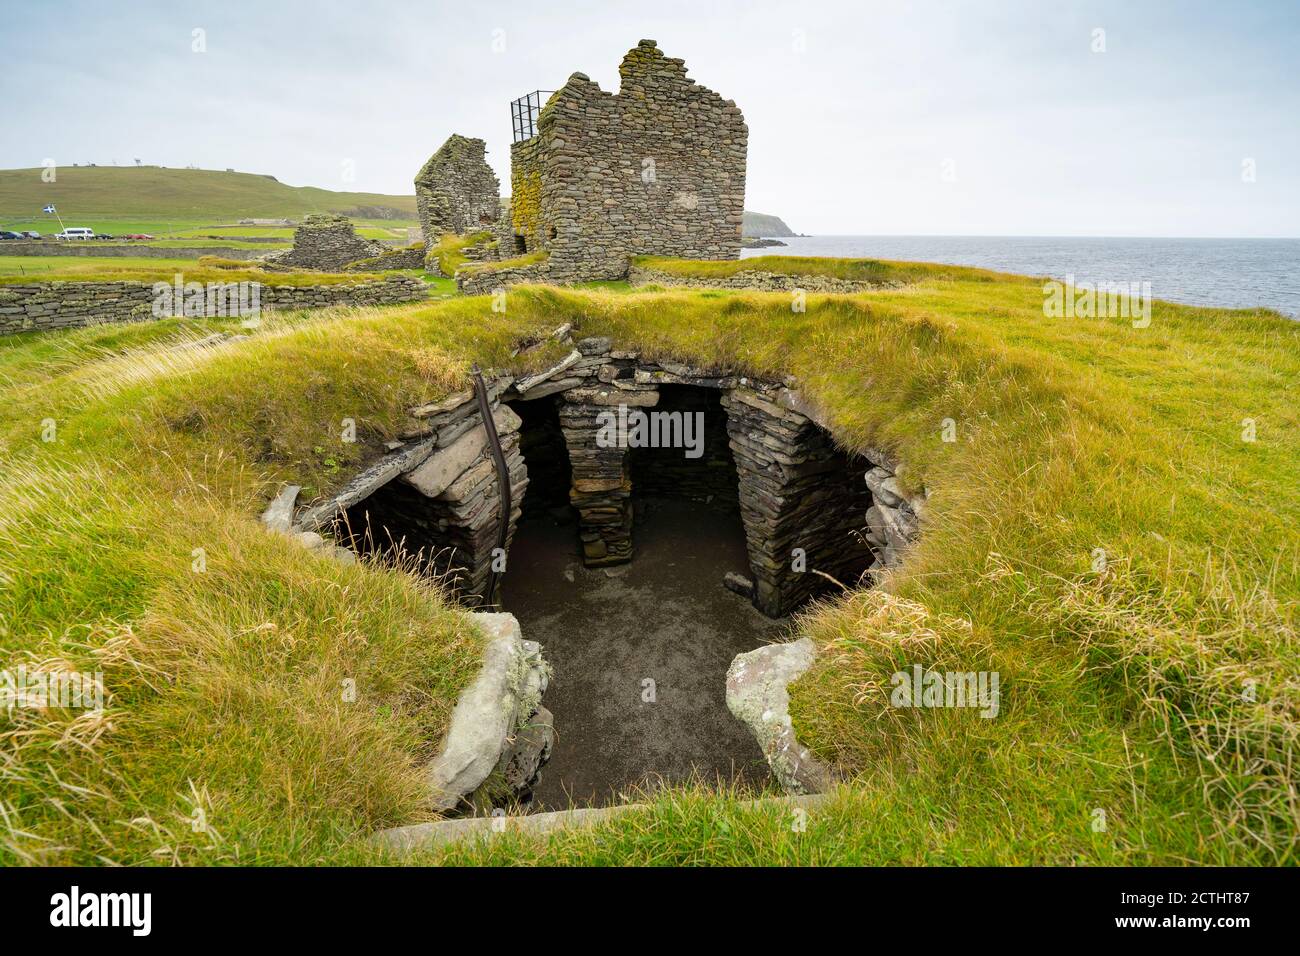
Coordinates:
[1123,690]
[199,243]
[439,285]
[492,265]
[18,270]
[448,252]
[69,267]
[858,270]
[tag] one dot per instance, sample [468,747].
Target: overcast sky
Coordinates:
[996,118]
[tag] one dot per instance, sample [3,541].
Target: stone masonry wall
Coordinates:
[796,492]
[456,190]
[655,169]
[809,509]
[325,242]
[45,306]
[434,496]
[667,473]
[476,281]
[406,257]
[847,513]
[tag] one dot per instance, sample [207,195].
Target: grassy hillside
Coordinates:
[151,193]
[757,224]
[1158,687]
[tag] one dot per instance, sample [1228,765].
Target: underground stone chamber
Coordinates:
[640,649]
[617,555]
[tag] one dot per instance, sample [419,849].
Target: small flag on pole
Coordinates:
[49,209]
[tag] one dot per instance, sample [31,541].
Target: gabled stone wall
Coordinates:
[456,190]
[655,169]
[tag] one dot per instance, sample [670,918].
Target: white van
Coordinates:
[77,232]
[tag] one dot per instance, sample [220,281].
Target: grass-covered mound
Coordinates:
[876,271]
[1158,687]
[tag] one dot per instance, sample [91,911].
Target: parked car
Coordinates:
[32,235]
[11,235]
[102,235]
[75,232]
[138,235]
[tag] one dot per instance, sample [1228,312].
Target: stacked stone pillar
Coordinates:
[602,488]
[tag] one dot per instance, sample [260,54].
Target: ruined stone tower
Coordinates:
[456,190]
[657,168]
[325,241]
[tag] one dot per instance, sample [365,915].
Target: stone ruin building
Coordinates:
[456,190]
[657,168]
[326,242]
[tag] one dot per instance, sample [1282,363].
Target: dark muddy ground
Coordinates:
[665,618]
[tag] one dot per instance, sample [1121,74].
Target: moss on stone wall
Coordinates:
[526,203]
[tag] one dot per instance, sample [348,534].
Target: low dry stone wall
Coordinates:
[753,279]
[408,257]
[389,290]
[486,281]
[46,306]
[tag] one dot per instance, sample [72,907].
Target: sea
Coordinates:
[1229,273]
